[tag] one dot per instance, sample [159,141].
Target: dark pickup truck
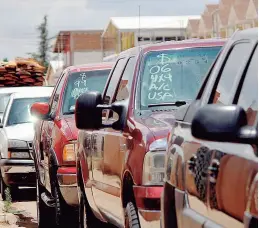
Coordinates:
[211,169]
[123,137]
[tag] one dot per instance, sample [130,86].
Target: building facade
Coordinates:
[223,19]
[123,33]
[79,47]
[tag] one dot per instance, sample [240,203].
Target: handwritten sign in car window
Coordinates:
[81,82]
[174,75]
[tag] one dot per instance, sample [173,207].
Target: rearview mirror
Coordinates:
[40,110]
[89,109]
[223,124]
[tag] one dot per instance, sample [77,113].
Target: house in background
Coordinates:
[79,47]
[192,29]
[221,20]
[252,13]
[123,33]
[237,17]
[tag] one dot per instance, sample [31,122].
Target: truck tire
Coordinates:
[13,190]
[131,216]
[45,216]
[3,187]
[66,216]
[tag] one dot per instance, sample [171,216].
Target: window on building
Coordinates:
[170,38]
[159,38]
[180,38]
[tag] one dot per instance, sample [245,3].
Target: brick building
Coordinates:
[79,47]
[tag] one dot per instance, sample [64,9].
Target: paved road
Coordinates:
[25,202]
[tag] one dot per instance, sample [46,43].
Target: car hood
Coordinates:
[70,121]
[23,131]
[159,123]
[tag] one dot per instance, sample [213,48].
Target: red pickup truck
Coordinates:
[54,144]
[123,132]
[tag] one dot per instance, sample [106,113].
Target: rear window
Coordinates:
[81,82]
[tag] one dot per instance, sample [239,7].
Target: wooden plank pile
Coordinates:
[21,72]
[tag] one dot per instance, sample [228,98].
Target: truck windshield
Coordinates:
[4,98]
[81,82]
[20,110]
[174,76]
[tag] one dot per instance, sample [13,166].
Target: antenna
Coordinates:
[138,23]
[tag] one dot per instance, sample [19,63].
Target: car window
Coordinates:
[81,82]
[20,110]
[224,90]
[169,76]
[248,98]
[56,95]
[4,98]
[114,81]
[126,80]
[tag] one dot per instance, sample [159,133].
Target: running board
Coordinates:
[50,202]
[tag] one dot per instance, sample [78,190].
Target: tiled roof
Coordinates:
[207,19]
[241,9]
[194,23]
[224,15]
[256,5]
[212,7]
[154,22]
[226,2]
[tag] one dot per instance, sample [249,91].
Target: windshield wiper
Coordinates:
[69,113]
[176,103]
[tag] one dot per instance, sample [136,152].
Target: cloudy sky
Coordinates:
[19,18]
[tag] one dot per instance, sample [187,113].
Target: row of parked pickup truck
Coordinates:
[164,137]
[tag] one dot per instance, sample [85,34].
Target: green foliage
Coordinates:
[43,48]
[5,60]
[8,201]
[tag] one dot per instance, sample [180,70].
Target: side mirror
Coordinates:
[223,124]
[87,116]
[89,109]
[40,110]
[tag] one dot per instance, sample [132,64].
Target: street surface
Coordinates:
[25,202]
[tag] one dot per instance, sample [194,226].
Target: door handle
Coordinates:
[213,170]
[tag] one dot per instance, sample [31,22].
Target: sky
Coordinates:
[19,18]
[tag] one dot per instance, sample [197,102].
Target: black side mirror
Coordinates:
[87,116]
[89,108]
[223,124]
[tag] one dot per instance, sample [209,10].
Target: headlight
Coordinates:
[17,144]
[18,155]
[69,152]
[154,163]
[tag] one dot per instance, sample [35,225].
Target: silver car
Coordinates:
[16,135]
[5,93]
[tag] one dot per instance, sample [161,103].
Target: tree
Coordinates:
[43,48]
[5,60]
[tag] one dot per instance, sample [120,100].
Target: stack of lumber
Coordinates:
[21,72]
